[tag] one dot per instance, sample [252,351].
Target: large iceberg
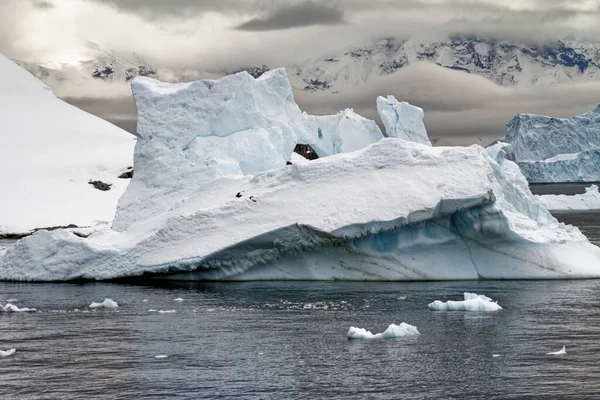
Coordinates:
[50,151]
[556,149]
[212,198]
[401,120]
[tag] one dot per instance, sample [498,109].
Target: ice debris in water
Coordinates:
[161,356]
[559,352]
[472,302]
[495,355]
[392,331]
[12,308]
[178,299]
[167,311]
[7,353]
[107,303]
[12,301]
[145,300]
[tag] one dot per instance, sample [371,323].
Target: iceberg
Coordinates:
[52,158]
[7,353]
[402,120]
[471,302]
[590,200]
[556,150]
[393,331]
[213,199]
[107,303]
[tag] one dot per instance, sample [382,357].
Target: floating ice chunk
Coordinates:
[472,302]
[161,356]
[392,331]
[558,353]
[402,298]
[12,301]
[590,200]
[107,303]
[145,300]
[495,355]
[12,308]
[402,120]
[152,310]
[167,311]
[7,353]
[179,299]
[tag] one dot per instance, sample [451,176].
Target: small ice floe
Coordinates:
[392,331]
[12,308]
[107,303]
[152,310]
[161,356]
[402,298]
[7,353]
[558,353]
[12,301]
[145,300]
[179,299]
[167,311]
[472,302]
[495,355]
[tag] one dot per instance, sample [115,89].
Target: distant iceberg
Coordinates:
[107,303]
[590,200]
[471,302]
[392,331]
[213,199]
[556,149]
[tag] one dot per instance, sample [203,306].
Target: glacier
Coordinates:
[590,200]
[213,199]
[49,153]
[556,150]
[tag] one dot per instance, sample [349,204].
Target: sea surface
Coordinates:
[280,340]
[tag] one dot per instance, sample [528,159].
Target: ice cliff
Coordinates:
[213,198]
[50,151]
[556,149]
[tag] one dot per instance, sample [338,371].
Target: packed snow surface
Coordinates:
[471,302]
[213,199]
[559,352]
[392,331]
[556,149]
[7,353]
[49,152]
[107,303]
[590,200]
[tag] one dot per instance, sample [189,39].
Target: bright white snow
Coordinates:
[590,200]
[7,353]
[559,352]
[471,302]
[392,331]
[371,214]
[107,303]
[49,151]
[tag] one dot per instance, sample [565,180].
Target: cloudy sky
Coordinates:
[214,35]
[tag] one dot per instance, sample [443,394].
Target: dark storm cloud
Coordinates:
[293,16]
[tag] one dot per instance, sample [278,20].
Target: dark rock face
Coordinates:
[127,174]
[100,185]
[255,70]
[306,151]
[103,73]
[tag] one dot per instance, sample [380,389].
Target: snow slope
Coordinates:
[373,214]
[49,151]
[590,200]
[556,149]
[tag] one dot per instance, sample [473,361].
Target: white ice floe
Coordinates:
[107,303]
[392,331]
[12,308]
[161,356]
[471,302]
[167,311]
[590,200]
[179,299]
[7,353]
[213,199]
[559,352]
[12,301]
[49,152]
[145,300]
[495,355]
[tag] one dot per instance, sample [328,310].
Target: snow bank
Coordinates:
[392,331]
[7,353]
[556,149]
[472,302]
[107,303]
[49,152]
[401,120]
[590,200]
[12,308]
[371,214]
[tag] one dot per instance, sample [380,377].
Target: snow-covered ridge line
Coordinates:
[213,198]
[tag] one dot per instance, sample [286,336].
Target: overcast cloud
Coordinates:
[208,36]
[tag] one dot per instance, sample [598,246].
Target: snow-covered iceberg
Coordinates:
[52,158]
[393,331]
[556,149]
[471,302]
[212,198]
[590,200]
[402,120]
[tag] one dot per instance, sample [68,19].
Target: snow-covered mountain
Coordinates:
[504,62]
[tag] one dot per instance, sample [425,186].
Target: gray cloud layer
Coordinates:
[293,16]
